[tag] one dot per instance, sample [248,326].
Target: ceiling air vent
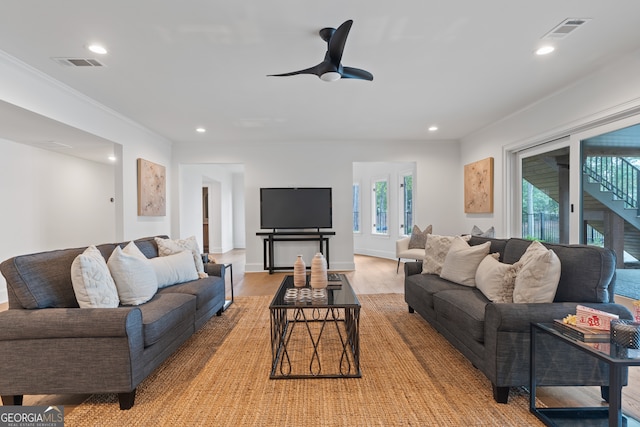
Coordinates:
[78,62]
[565,28]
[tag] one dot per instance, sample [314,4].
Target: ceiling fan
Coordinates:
[331,69]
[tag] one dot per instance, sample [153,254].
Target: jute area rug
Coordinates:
[411,376]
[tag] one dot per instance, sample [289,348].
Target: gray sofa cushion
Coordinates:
[464,307]
[205,290]
[43,280]
[429,284]
[164,312]
[586,271]
[497,245]
[148,246]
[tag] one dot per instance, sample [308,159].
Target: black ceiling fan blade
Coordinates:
[331,69]
[337,42]
[315,70]
[356,73]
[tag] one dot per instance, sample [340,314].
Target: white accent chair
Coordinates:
[403,251]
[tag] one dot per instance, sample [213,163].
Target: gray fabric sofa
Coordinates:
[48,345]
[495,336]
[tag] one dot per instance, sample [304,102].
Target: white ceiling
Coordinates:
[175,65]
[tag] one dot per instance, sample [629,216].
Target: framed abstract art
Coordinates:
[152,189]
[478,186]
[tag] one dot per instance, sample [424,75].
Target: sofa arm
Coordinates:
[214,269]
[70,323]
[411,268]
[518,317]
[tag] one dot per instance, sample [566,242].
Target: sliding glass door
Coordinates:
[611,188]
[584,188]
[545,190]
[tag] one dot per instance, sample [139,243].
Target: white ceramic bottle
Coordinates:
[299,273]
[319,271]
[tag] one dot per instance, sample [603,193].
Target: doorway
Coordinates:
[205,219]
[221,208]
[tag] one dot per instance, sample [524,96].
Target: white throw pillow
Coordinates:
[92,283]
[496,279]
[462,261]
[134,276]
[537,280]
[169,247]
[174,269]
[435,251]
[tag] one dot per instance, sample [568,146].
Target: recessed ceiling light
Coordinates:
[112,158]
[96,48]
[201,130]
[433,128]
[545,50]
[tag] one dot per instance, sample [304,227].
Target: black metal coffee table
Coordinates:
[315,337]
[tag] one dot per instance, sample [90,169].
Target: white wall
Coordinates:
[190,200]
[239,237]
[365,242]
[55,201]
[215,217]
[329,164]
[52,201]
[604,96]
[28,88]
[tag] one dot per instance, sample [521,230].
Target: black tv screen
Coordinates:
[295,208]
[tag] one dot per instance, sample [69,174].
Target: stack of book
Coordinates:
[334,281]
[588,317]
[582,333]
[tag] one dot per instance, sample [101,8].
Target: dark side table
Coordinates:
[228,302]
[617,358]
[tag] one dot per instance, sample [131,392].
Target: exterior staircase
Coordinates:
[605,189]
[615,183]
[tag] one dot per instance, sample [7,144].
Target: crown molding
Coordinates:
[36,74]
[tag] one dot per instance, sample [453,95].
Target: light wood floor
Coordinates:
[372,275]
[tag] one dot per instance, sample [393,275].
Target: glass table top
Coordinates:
[609,351]
[337,294]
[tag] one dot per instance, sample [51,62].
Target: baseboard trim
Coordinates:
[333,266]
[376,253]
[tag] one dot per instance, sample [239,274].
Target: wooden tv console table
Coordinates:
[270,237]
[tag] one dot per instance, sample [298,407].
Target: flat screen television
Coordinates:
[295,208]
